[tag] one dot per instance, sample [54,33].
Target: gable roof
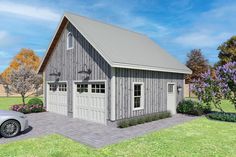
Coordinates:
[120,47]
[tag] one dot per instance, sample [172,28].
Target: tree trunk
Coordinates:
[7,91]
[23,99]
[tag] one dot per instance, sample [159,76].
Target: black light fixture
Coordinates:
[179,88]
[55,74]
[85,70]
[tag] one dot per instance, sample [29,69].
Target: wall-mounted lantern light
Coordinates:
[179,88]
[56,74]
[86,71]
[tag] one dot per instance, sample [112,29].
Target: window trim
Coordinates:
[67,41]
[142,96]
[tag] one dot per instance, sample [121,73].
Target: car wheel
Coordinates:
[10,128]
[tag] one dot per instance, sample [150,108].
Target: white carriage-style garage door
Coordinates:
[90,102]
[57,98]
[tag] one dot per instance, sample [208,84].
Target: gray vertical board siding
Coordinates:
[70,62]
[155,91]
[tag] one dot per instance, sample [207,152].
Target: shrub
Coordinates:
[27,109]
[140,120]
[36,108]
[192,108]
[35,101]
[222,116]
[20,108]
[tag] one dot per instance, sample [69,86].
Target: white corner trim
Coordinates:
[113,94]
[142,96]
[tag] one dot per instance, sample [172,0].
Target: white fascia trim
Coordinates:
[141,67]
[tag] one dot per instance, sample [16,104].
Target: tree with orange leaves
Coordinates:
[27,58]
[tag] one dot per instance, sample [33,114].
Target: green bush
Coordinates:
[35,101]
[140,120]
[222,116]
[192,108]
[27,108]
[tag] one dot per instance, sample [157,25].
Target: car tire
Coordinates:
[10,128]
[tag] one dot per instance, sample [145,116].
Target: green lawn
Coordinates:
[200,137]
[6,102]
[225,104]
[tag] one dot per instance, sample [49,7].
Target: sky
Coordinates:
[177,26]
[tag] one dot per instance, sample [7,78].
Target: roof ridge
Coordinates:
[111,25]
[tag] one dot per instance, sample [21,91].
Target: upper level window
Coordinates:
[69,41]
[138,95]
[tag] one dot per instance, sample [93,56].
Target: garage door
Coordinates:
[57,98]
[90,102]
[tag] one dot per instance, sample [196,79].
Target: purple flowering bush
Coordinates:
[226,76]
[27,108]
[211,89]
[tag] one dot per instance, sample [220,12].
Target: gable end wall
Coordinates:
[70,62]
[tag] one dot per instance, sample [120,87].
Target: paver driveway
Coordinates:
[92,134]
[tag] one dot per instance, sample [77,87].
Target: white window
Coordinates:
[138,95]
[82,88]
[69,41]
[52,87]
[170,88]
[62,87]
[98,88]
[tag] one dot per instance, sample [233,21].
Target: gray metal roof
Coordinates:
[124,48]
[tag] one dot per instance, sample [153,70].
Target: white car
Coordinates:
[11,123]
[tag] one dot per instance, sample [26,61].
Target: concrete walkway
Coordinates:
[89,133]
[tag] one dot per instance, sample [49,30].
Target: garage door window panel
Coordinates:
[82,88]
[62,87]
[52,87]
[98,88]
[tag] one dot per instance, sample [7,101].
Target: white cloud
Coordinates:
[29,11]
[5,55]
[5,39]
[3,35]
[210,28]
[201,39]
[125,16]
